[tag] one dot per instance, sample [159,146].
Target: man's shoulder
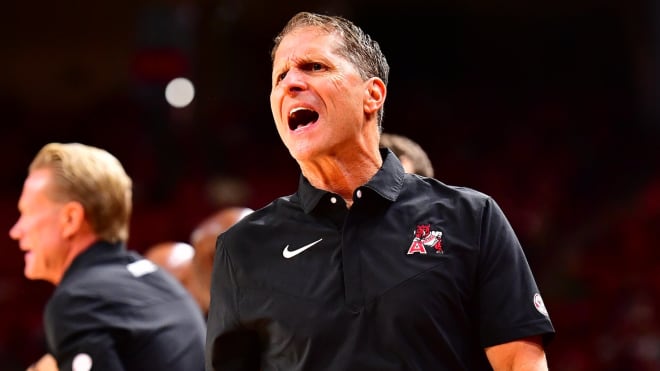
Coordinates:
[279,216]
[420,185]
[277,208]
[120,278]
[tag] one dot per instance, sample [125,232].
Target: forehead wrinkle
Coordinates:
[295,58]
[312,50]
[284,64]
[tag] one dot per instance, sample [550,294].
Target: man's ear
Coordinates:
[374,95]
[72,218]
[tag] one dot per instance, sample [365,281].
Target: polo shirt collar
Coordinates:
[98,251]
[387,183]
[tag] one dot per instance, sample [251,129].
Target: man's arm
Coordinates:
[524,354]
[45,363]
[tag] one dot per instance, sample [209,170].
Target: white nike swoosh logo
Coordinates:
[291,253]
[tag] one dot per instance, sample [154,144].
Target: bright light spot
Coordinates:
[179,92]
[82,362]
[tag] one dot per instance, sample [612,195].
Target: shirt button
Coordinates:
[359,193]
[333,200]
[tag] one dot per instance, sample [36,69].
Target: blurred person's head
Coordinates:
[73,196]
[173,256]
[176,258]
[413,158]
[203,239]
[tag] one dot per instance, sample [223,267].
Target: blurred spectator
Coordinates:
[176,258]
[192,264]
[412,156]
[203,239]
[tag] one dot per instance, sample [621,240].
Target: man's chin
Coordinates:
[30,273]
[306,152]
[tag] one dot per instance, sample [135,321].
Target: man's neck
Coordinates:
[342,175]
[77,246]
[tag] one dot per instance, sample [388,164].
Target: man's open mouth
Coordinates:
[301,117]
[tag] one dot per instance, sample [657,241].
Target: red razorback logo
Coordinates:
[425,237]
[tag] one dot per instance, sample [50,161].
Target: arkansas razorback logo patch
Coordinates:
[425,237]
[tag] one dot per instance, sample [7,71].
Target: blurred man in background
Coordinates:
[111,308]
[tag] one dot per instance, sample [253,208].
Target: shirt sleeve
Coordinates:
[510,303]
[229,344]
[78,335]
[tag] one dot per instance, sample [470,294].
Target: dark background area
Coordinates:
[550,107]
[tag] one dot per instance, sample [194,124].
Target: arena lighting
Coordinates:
[179,92]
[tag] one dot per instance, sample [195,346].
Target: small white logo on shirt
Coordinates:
[141,267]
[291,253]
[538,304]
[82,362]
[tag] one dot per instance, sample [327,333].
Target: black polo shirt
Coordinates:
[114,310]
[416,275]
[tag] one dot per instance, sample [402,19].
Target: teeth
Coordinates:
[293,111]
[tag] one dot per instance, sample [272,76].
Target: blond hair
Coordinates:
[94,178]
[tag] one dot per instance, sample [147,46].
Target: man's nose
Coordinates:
[294,80]
[14,231]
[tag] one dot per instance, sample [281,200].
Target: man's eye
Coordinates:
[313,66]
[281,76]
